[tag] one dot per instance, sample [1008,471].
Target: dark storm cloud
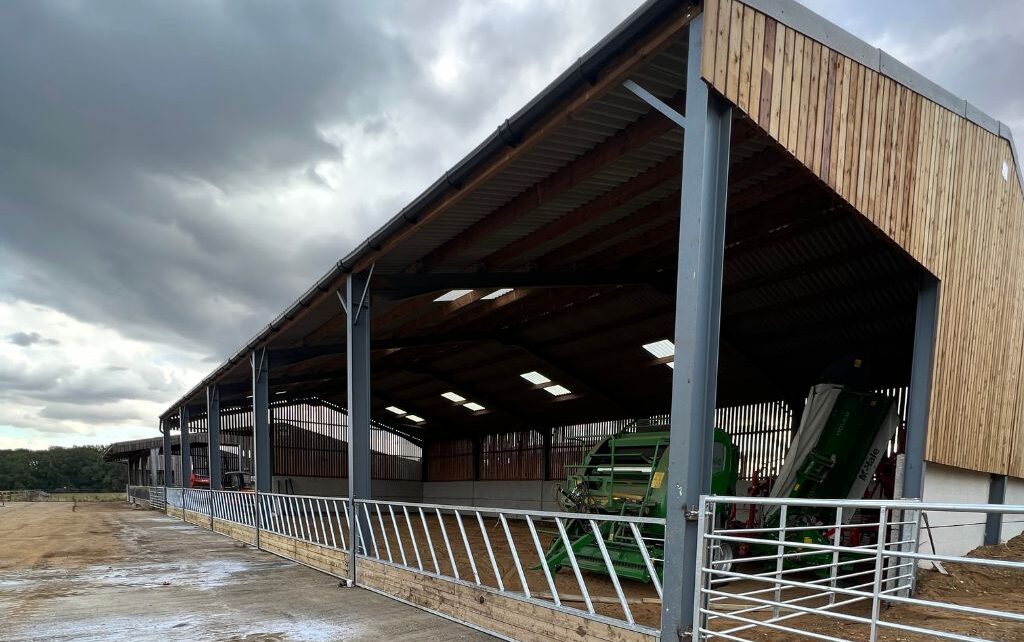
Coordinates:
[84,384]
[137,135]
[25,339]
[178,172]
[104,102]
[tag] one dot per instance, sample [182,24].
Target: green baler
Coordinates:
[625,475]
[841,440]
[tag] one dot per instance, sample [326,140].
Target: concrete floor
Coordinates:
[123,573]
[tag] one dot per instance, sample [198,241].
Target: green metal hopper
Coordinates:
[625,475]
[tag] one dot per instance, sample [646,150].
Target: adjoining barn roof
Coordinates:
[122,450]
[573,203]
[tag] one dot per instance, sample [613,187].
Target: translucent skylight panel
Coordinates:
[557,390]
[395,409]
[496,294]
[534,377]
[661,349]
[453,397]
[451,295]
[472,405]
[415,418]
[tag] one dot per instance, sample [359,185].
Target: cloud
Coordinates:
[976,55]
[83,382]
[176,173]
[25,339]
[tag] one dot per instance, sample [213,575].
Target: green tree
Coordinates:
[79,467]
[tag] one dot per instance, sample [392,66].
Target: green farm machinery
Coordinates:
[842,439]
[625,475]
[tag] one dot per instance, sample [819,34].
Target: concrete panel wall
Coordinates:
[524,495]
[387,489]
[954,533]
[1013,525]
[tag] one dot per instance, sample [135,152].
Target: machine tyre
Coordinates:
[723,553]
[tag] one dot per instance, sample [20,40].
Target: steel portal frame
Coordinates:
[697,325]
[185,446]
[356,303]
[260,419]
[213,428]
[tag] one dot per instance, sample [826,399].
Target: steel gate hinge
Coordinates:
[692,514]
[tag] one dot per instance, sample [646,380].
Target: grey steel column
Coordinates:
[213,428]
[260,420]
[994,521]
[165,428]
[154,479]
[920,387]
[185,447]
[698,312]
[357,305]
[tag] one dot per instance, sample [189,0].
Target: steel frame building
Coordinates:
[742,178]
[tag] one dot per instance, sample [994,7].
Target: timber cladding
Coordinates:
[199,519]
[933,181]
[242,533]
[505,616]
[322,558]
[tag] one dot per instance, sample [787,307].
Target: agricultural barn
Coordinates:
[717,207]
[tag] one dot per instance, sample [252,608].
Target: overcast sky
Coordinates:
[173,174]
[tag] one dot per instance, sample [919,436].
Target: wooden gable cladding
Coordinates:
[931,180]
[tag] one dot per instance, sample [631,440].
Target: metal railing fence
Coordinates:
[843,571]
[152,495]
[318,520]
[232,506]
[173,496]
[505,550]
[613,562]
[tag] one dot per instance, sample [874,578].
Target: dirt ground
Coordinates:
[965,585]
[105,572]
[75,536]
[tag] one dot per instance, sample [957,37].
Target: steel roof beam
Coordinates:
[701,252]
[646,129]
[283,357]
[616,197]
[398,286]
[591,242]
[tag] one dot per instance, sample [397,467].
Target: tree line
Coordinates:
[57,468]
